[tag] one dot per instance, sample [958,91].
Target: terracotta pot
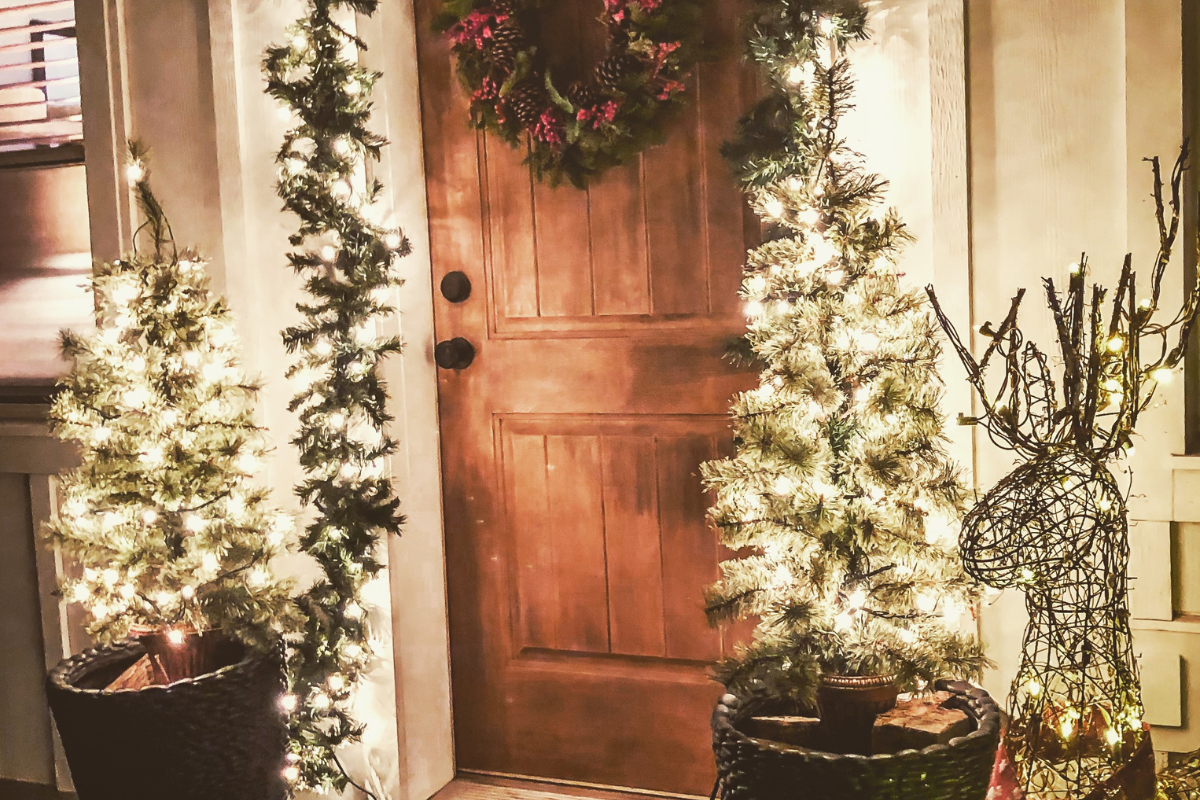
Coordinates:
[178,653]
[849,705]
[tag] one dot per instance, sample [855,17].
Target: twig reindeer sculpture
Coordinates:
[1056,526]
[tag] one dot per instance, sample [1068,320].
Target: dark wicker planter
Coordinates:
[754,769]
[220,735]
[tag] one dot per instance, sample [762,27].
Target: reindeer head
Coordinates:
[1046,524]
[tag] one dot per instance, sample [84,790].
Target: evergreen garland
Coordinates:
[163,514]
[841,497]
[346,256]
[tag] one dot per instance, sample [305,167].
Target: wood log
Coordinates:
[139,675]
[798,731]
[917,723]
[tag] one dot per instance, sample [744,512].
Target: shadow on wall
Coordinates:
[44,262]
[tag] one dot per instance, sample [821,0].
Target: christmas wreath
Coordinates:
[595,123]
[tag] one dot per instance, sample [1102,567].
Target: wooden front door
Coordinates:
[575,534]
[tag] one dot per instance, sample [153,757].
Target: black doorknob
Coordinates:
[456,353]
[456,287]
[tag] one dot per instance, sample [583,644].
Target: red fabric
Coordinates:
[1004,778]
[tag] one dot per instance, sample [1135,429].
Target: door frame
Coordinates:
[233,134]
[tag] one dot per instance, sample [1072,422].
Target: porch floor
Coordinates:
[481,786]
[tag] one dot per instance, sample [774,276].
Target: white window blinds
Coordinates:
[39,75]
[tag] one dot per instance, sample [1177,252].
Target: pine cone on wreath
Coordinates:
[527,101]
[617,67]
[584,95]
[507,41]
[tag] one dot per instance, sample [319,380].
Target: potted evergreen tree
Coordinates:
[172,539]
[840,501]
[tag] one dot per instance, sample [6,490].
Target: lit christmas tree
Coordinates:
[163,514]
[841,497]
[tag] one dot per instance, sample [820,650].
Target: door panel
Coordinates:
[577,548]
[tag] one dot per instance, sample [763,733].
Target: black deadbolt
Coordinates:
[456,353]
[456,287]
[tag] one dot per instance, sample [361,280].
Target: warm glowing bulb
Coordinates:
[926,602]
[393,240]
[336,682]
[319,701]
[149,516]
[288,702]
[1035,688]
[337,420]
[300,42]
[1115,344]
[101,434]
[858,599]
[137,397]
[194,523]
[1113,385]
[187,592]
[827,26]
[835,277]
[773,207]
[354,611]
[175,637]
[1067,728]
[341,189]
[291,774]
[1163,375]
[323,348]
[1145,304]
[1112,736]
[248,463]
[341,146]
[1074,268]
[127,591]
[753,309]
[353,87]
[797,73]
[135,171]
[352,651]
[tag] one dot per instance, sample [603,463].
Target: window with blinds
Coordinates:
[39,76]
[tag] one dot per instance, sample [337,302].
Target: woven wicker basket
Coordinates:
[754,769]
[220,735]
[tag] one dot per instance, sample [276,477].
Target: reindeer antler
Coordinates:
[1105,383]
